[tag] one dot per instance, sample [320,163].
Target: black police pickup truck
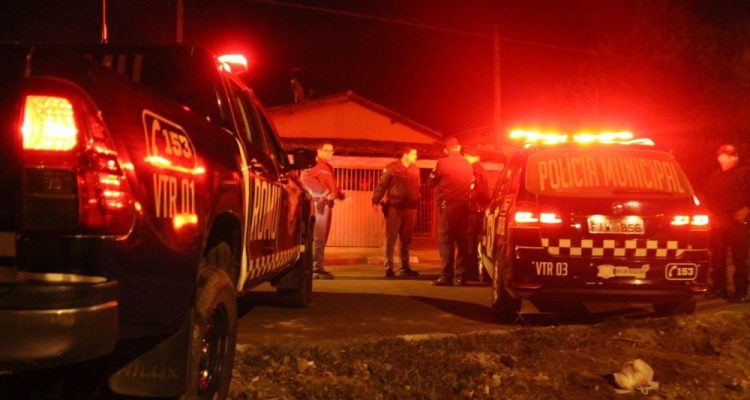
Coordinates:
[142,189]
[605,218]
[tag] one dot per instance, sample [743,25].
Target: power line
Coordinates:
[392,21]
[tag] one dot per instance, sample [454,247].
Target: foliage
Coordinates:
[704,356]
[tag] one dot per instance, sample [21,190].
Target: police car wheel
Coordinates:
[505,307]
[214,336]
[301,295]
[674,308]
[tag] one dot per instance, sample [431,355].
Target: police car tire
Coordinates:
[505,307]
[300,297]
[214,336]
[674,308]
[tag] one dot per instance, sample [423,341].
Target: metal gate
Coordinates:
[354,222]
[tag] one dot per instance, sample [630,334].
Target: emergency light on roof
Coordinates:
[234,63]
[535,138]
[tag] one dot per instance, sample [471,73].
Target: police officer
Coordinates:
[452,178]
[321,183]
[728,199]
[400,184]
[479,197]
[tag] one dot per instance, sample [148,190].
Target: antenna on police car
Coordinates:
[105,35]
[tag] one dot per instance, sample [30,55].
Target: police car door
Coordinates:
[261,210]
[288,228]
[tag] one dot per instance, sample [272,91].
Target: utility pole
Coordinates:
[105,34]
[180,18]
[497,103]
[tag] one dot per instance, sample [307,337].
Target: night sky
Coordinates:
[568,64]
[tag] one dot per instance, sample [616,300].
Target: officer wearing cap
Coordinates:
[479,197]
[452,178]
[728,198]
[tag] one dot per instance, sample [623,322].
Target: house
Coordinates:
[366,137]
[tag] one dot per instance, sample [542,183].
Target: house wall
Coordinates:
[356,224]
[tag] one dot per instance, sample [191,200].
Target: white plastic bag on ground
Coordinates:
[635,375]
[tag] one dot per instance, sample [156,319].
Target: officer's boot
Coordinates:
[405,269]
[389,269]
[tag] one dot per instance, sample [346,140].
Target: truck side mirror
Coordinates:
[302,158]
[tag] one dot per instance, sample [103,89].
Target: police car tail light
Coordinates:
[680,220]
[525,217]
[73,182]
[549,218]
[695,222]
[48,123]
[528,214]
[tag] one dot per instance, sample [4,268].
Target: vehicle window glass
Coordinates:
[275,150]
[244,114]
[616,172]
[502,181]
[171,75]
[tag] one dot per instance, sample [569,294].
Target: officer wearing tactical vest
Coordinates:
[400,184]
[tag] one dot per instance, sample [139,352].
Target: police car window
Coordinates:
[275,150]
[244,113]
[182,81]
[502,180]
[617,172]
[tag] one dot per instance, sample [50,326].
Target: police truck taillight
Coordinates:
[48,123]
[694,222]
[73,182]
[530,214]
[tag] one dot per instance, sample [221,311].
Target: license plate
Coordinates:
[630,225]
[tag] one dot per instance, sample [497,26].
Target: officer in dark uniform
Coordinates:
[452,178]
[728,198]
[321,183]
[401,183]
[478,200]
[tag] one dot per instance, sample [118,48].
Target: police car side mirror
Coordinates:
[301,158]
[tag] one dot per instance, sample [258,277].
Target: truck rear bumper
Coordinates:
[52,320]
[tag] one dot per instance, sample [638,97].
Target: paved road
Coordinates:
[360,304]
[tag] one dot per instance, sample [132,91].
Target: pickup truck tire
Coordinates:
[300,297]
[214,336]
[505,307]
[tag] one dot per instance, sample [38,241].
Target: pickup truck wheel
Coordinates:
[214,336]
[674,308]
[505,307]
[300,297]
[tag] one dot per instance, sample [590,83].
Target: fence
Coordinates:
[355,224]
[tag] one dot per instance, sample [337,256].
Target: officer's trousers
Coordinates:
[399,224]
[452,236]
[732,236]
[323,214]
[473,226]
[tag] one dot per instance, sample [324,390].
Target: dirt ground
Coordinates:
[704,356]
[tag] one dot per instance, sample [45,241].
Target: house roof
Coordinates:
[350,96]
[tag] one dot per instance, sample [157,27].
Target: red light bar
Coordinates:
[234,63]
[547,138]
